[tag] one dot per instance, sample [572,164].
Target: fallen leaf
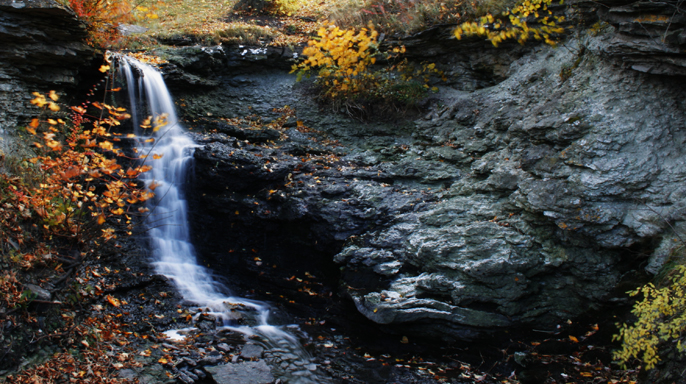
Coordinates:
[113,300]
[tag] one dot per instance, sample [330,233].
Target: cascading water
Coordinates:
[172,253]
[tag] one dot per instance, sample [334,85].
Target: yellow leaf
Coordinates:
[106,145]
[104,68]
[53,96]
[39,101]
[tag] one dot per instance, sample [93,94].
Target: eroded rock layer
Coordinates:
[41,48]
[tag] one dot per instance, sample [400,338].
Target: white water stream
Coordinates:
[173,254]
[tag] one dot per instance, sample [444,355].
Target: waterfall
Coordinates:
[173,255]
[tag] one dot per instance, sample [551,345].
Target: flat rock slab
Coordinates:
[249,372]
[251,351]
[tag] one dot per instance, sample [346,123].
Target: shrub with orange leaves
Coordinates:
[72,184]
[56,203]
[81,181]
[103,18]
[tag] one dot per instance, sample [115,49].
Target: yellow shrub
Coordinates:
[661,318]
[343,60]
[544,24]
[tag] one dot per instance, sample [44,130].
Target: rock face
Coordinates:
[41,48]
[651,36]
[520,201]
[246,372]
[563,177]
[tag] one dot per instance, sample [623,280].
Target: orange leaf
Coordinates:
[113,300]
[101,219]
[53,96]
[156,156]
[71,172]
[573,339]
[79,110]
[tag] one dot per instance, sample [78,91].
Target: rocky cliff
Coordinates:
[41,48]
[537,181]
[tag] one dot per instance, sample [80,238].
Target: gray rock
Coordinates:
[249,372]
[212,359]
[42,48]
[252,351]
[185,377]
[40,293]
[513,202]
[647,37]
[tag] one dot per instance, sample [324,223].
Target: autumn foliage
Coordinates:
[58,203]
[80,178]
[64,194]
[660,321]
[529,18]
[104,17]
[344,63]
